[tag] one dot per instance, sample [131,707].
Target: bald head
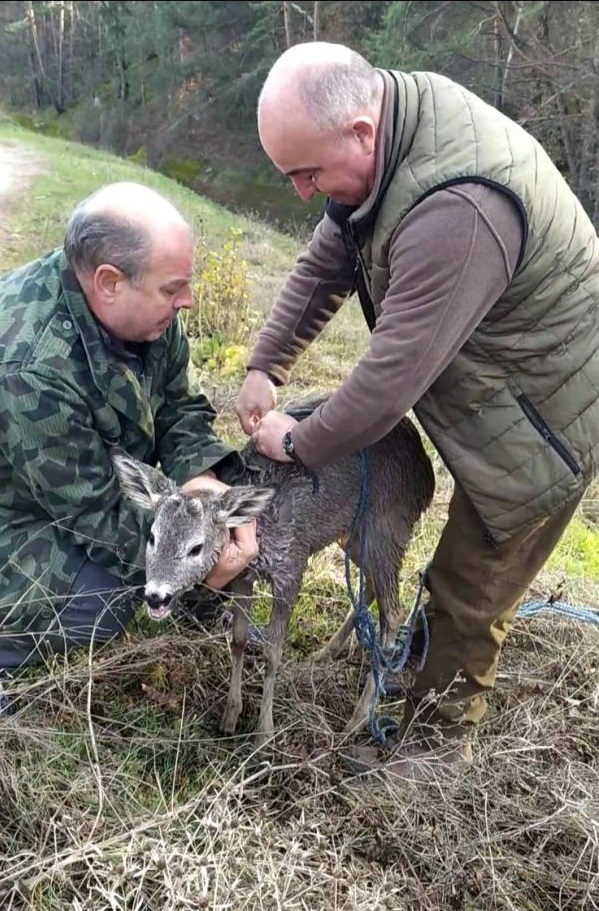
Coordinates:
[328,84]
[120,224]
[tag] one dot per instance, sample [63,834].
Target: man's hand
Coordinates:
[258,396]
[239,551]
[269,435]
[242,546]
[205,481]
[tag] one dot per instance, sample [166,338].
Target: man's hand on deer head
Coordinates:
[268,437]
[205,481]
[241,547]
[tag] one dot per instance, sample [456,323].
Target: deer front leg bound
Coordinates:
[285,594]
[241,590]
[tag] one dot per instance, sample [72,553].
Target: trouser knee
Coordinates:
[96,608]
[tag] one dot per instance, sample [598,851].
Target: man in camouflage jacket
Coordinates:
[92,355]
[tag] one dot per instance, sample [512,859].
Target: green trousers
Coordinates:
[475,591]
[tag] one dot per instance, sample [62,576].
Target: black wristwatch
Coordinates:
[288,447]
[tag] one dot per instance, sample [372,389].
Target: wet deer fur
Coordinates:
[298,514]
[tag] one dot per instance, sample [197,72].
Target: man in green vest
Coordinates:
[478,272]
[93,354]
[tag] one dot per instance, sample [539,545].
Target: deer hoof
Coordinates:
[323,656]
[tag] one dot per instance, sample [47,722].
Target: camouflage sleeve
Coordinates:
[186,444]
[56,455]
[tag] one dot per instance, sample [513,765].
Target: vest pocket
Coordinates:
[547,433]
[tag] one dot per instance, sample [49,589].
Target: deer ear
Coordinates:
[239,505]
[140,482]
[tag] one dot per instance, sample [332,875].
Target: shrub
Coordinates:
[221,321]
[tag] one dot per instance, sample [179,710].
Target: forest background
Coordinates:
[174,84]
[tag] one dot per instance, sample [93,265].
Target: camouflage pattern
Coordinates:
[66,396]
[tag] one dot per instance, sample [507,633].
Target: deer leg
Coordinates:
[390,621]
[242,593]
[284,598]
[335,646]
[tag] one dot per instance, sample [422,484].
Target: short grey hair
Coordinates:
[94,237]
[337,92]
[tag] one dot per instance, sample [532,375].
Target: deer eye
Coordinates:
[151,539]
[195,551]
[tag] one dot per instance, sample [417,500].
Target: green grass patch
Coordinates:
[181,169]
[577,554]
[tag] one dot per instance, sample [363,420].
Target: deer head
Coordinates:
[189,530]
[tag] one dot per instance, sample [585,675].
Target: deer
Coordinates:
[298,513]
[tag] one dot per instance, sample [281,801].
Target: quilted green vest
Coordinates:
[515,416]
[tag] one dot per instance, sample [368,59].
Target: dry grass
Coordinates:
[116,792]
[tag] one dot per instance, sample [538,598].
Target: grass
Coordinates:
[118,793]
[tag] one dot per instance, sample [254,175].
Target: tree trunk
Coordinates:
[503,69]
[316,31]
[497,47]
[588,152]
[44,89]
[287,21]
[60,55]
[567,140]
[123,78]
[37,64]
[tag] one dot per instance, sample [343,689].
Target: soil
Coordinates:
[17,166]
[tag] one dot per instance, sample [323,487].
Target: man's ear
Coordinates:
[239,505]
[364,130]
[106,281]
[140,482]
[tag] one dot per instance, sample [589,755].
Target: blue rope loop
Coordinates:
[366,633]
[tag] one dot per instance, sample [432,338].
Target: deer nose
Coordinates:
[157,599]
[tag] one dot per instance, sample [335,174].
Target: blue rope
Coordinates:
[364,626]
[573,612]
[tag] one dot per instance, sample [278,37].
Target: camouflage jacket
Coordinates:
[65,397]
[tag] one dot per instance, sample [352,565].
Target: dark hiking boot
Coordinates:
[396,685]
[410,761]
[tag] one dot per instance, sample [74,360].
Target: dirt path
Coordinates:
[18,164]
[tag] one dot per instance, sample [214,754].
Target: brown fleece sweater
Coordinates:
[450,260]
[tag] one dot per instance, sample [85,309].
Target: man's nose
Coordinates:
[184,300]
[304,188]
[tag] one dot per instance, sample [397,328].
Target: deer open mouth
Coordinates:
[158,613]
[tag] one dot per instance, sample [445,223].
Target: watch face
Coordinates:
[287,443]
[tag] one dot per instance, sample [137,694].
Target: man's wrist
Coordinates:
[272,373]
[288,447]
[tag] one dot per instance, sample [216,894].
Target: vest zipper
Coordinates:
[360,272]
[547,433]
